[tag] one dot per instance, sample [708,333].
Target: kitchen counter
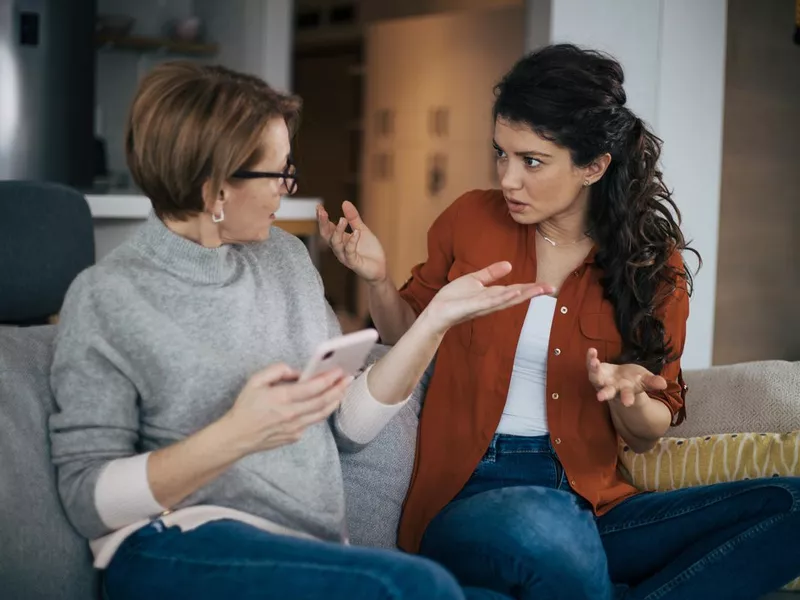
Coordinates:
[117,214]
[125,205]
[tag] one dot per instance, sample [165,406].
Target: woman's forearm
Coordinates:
[181,469]
[642,424]
[393,377]
[391,314]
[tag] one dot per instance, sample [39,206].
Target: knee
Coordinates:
[531,538]
[422,578]
[563,561]
[787,493]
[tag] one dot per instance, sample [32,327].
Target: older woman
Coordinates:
[515,485]
[187,451]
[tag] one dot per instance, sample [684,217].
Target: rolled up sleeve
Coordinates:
[674,313]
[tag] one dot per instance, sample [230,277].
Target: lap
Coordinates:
[521,538]
[233,560]
[513,516]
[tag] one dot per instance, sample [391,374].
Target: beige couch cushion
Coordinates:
[757,396]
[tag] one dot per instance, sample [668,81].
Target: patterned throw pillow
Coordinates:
[677,463]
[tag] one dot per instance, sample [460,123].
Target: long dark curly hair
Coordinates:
[575,98]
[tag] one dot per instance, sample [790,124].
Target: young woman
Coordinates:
[515,485]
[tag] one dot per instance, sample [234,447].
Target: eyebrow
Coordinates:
[526,153]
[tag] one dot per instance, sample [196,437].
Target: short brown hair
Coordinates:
[192,123]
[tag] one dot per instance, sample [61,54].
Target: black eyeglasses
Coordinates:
[288,176]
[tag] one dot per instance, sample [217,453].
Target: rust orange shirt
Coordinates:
[468,390]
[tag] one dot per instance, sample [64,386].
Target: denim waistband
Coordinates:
[503,443]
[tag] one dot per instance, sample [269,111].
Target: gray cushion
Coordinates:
[377,477]
[759,396]
[41,556]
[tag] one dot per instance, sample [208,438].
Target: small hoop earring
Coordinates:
[586,184]
[218,219]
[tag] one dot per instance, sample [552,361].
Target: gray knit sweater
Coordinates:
[156,342]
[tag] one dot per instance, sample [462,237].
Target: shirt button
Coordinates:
[557,351]
[554,396]
[563,310]
[557,440]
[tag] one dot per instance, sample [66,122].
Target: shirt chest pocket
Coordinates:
[475,334]
[599,331]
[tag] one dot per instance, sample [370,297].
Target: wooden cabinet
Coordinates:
[428,120]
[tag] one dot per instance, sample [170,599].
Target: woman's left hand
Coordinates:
[626,382]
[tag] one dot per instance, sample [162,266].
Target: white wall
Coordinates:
[255,36]
[673,52]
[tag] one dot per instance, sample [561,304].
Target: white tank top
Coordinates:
[525,412]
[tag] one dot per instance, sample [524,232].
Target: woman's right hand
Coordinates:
[360,250]
[274,409]
[474,295]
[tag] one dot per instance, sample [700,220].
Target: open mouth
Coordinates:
[515,206]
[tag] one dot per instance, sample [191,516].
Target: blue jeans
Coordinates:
[230,560]
[518,528]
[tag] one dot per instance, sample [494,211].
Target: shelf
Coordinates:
[140,43]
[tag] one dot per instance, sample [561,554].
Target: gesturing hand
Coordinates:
[359,251]
[623,381]
[472,295]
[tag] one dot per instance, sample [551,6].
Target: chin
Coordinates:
[526,218]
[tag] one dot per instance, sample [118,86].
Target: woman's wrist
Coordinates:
[430,326]
[379,282]
[227,439]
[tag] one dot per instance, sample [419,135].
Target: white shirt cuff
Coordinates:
[122,495]
[361,417]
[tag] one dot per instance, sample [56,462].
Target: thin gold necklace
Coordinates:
[557,244]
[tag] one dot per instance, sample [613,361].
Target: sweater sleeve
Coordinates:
[361,417]
[95,430]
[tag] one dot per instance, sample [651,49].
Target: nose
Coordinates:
[510,177]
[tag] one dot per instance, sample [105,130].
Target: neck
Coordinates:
[569,226]
[199,229]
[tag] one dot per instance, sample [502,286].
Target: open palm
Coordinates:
[360,251]
[472,295]
[625,381]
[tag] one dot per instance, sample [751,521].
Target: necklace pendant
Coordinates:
[548,240]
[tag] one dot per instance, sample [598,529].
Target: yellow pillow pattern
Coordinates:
[677,463]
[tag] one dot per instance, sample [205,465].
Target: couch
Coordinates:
[42,558]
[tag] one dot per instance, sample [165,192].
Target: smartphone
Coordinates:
[347,352]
